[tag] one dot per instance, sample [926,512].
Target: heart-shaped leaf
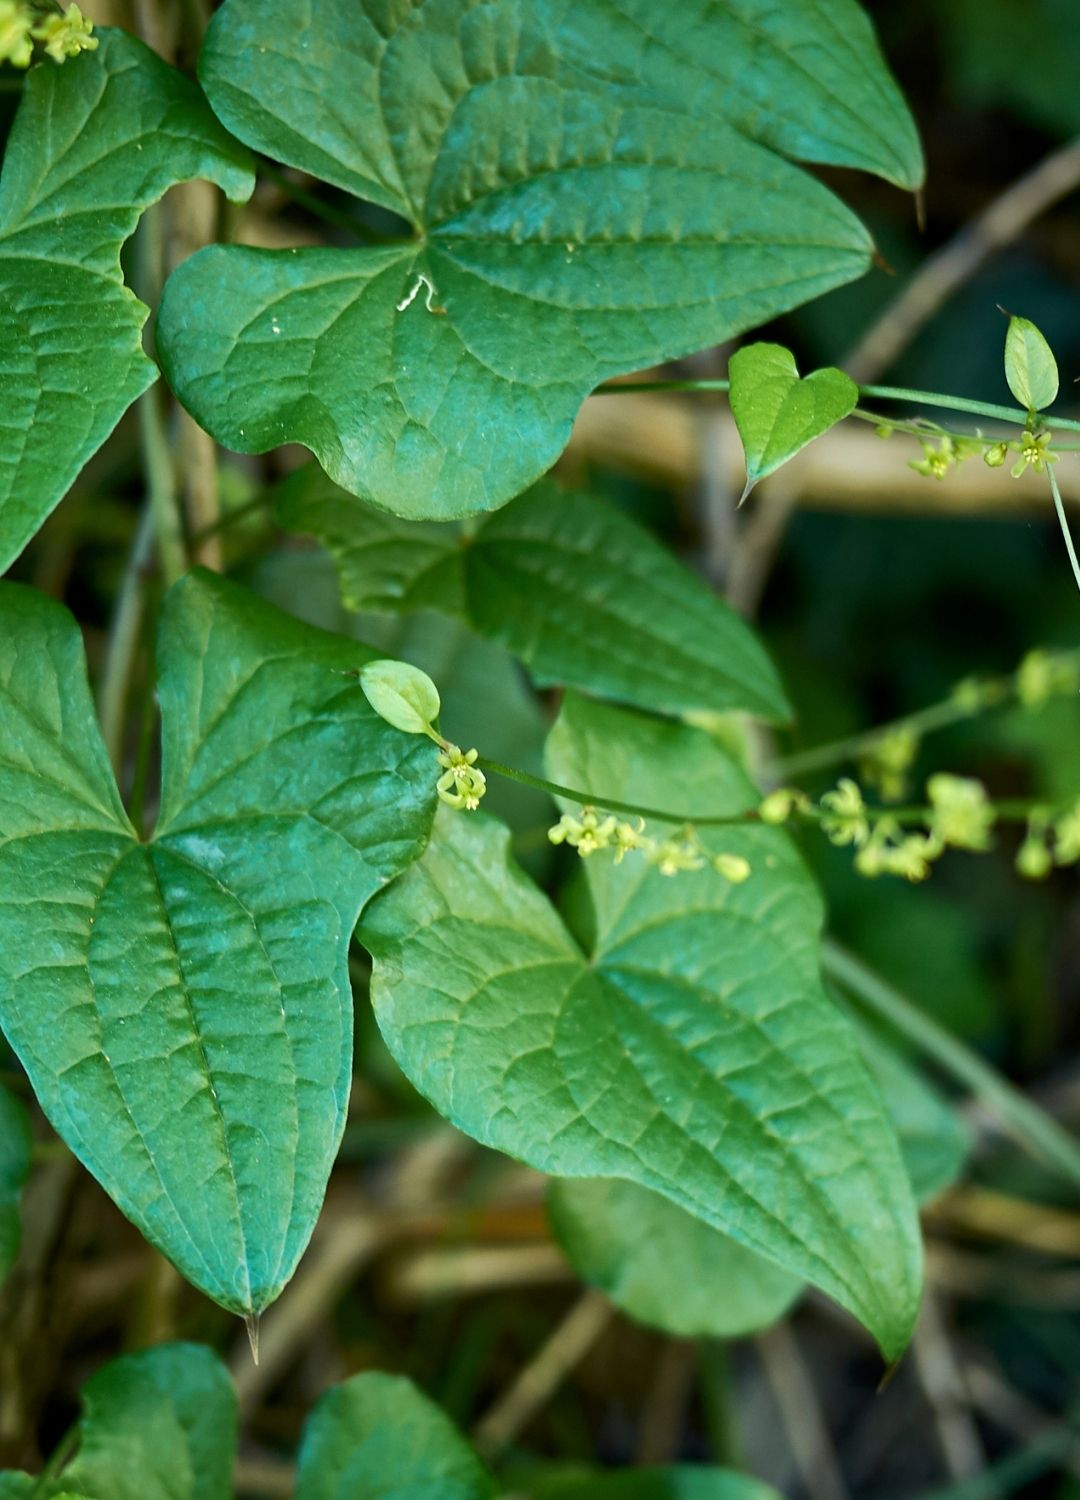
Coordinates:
[14,1167]
[588,193]
[377,1435]
[581,594]
[662,1265]
[183,1006]
[160,1425]
[93,144]
[1030,367]
[695,1053]
[776,412]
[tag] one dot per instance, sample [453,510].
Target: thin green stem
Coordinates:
[1013,415]
[123,644]
[1030,1126]
[1011,810]
[338,217]
[1063,523]
[608,804]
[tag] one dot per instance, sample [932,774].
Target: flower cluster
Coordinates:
[950,451]
[63,34]
[462,783]
[886,760]
[1050,840]
[1045,674]
[588,832]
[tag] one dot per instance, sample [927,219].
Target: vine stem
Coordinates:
[1024,1121]
[1008,810]
[1062,521]
[1011,414]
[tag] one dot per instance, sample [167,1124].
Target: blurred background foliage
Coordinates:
[876,591]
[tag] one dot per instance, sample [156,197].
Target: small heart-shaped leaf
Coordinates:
[776,412]
[1030,366]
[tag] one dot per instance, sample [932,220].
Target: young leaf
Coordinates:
[1030,366]
[695,1053]
[662,1265]
[588,196]
[14,1167]
[94,143]
[581,594]
[183,1006]
[377,1435]
[402,695]
[776,412]
[156,1426]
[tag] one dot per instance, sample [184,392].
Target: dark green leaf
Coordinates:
[182,1006]
[14,1167]
[378,1438]
[695,1054]
[581,594]
[156,1426]
[94,143]
[591,191]
[776,412]
[663,1266]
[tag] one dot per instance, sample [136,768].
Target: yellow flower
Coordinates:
[845,820]
[962,813]
[15,44]
[67,35]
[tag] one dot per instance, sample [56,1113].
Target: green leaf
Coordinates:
[680,1483]
[577,591]
[695,1052]
[663,1266]
[588,194]
[156,1426]
[934,1141]
[14,1169]
[95,142]
[378,1437]
[776,412]
[183,1006]
[1030,366]
[402,695]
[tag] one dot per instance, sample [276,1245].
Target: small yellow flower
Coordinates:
[1067,836]
[67,35]
[16,45]
[962,814]
[675,855]
[462,784]
[887,759]
[628,839]
[586,834]
[1042,674]
[779,806]
[996,455]
[935,462]
[1034,451]
[732,867]
[845,820]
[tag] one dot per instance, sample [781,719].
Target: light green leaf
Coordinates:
[379,1438]
[776,412]
[695,1053]
[14,1168]
[663,1266]
[1030,366]
[583,596]
[183,1006]
[156,1426]
[95,142]
[589,194]
[680,1483]
[401,694]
